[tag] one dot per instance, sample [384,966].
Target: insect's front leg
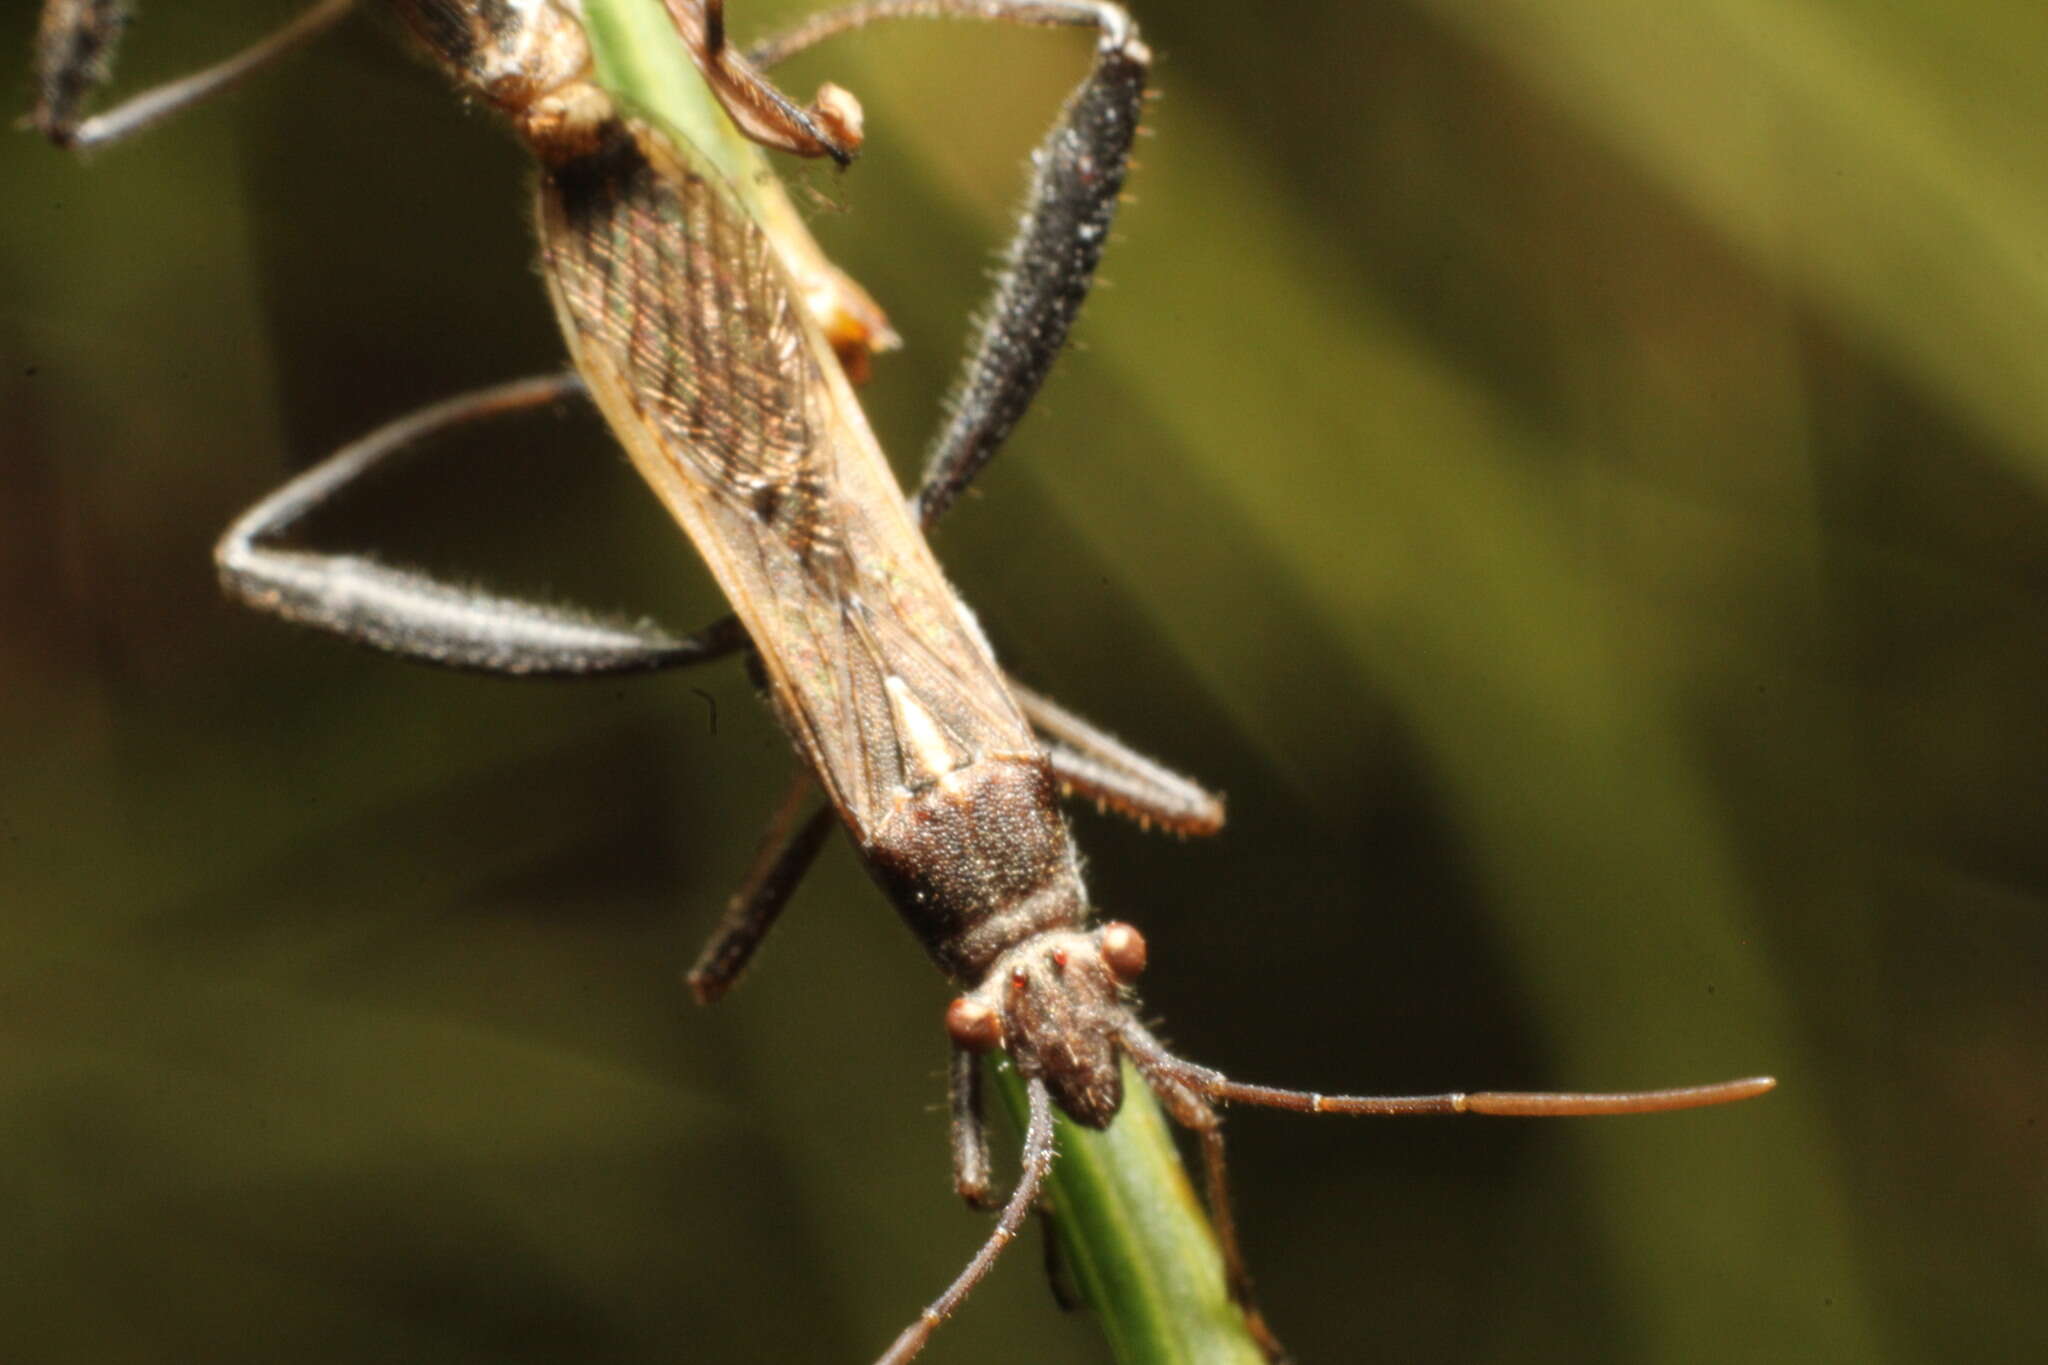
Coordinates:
[1194,1112]
[411,614]
[1036,1163]
[968,1128]
[74,57]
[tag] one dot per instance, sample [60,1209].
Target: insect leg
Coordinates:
[788,847]
[1050,263]
[1111,19]
[407,613]
[968,1128]
[1216,1194]
[74,50]
[1059,1276]
[1092,763]
[1049,266]
[1193,1112]
[830,126]
[1038,1153]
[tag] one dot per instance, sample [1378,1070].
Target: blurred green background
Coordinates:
[1576,473]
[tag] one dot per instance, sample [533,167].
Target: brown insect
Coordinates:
[717,341]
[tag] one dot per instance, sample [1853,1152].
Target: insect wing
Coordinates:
[684,323]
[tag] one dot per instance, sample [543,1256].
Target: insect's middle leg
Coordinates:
[416,616]
[787,849]
[1091,763]
[1050,262]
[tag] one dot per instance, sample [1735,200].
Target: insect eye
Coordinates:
[1123,950]
[973,1025]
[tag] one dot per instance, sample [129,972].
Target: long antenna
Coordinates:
[1206,1081]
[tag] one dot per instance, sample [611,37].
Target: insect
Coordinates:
[721,346]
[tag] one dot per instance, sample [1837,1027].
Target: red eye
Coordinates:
[1123,949]
[973,1025]
[1018,979]
[1059,958]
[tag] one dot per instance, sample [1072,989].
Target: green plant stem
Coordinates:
[1133,1232]
[1136,1238]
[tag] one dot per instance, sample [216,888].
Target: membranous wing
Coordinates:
[685,325]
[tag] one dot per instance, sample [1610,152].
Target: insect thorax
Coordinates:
[979,862]
[512,52]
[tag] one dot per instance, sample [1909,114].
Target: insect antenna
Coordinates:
[1038,1153]
[1190,1092]
[1160,1065]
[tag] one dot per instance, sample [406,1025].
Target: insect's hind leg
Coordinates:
[74,51]
[1050,262]
[1113,21]
[410,614]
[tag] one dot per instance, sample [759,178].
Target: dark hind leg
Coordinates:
[1078,173]
[74,55]
[414,615]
